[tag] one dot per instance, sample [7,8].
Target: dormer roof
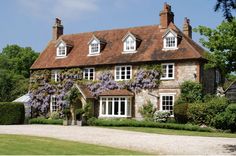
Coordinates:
[66,42]
[175,33]
[135,37]
[99,40]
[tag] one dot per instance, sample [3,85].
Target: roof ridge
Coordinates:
[115,29]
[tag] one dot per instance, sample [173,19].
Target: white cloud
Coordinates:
[66,9]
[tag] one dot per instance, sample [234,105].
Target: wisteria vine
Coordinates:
[42,88]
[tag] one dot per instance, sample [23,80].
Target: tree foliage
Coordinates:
[221,43]
[15,62]
[226,6]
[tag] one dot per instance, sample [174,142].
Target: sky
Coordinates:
[28,23]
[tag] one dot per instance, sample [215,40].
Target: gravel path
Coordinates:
[152,143]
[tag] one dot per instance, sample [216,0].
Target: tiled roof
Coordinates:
[85,91]
[150,48]
[117,92]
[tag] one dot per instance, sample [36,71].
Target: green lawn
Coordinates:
[176,132]
[29,145]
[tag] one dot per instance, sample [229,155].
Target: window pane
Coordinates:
[109,106]
[164,71]
[122,107]
[103,107]
[116,105]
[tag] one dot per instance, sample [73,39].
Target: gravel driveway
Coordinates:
[152,143]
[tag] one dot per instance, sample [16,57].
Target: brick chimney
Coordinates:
[166,16]
[187,29]
[57,29]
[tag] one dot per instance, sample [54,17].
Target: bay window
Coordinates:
[115,107]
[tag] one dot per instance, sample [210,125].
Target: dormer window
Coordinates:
[130,43]
[170,40]
[95,46]
[61,50]
[63,47]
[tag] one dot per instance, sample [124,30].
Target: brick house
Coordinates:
[122,52]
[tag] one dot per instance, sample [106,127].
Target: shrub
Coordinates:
[226,120]
[135,123]
[203,113]
[191,91]
[55,115]
[161,116]
[147,111]
[180,112]
[12,113]
[46,121]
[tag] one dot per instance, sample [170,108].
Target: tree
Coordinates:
[18,59]
[15,62]
[221,43]
[226,6]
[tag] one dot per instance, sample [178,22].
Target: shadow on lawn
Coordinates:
[230,148]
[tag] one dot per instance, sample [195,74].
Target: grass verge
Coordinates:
[29,145]
[176,132]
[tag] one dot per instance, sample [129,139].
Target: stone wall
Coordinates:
[183,71]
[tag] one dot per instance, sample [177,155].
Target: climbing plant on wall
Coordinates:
[41,88]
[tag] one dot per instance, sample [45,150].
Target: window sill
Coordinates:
[96,54]
[129,52]
[61,57]
[122,79]
[166,49]
[166,79]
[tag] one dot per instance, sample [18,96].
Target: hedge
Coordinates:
[227,119]
[203,113]
[12,113]
[46,121]
[135,123]
[180,112]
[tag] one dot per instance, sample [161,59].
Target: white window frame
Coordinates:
[120,71]
[89,78]
[94,42]
[127,48]
[59,54]
[161,100]
[55,75]
[126,114]
[167,71]
[52,101]
[165,41]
